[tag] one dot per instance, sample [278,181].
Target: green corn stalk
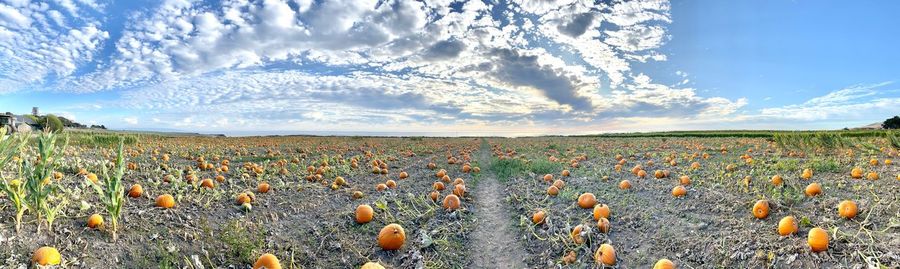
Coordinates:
[894,138]
[38,176]
[50,213]
[9,147]
[111,190]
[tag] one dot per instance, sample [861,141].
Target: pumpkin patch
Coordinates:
[243,202]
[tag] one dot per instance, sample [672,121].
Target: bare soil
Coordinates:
[711,227]
[494,242]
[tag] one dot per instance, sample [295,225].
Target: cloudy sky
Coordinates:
[452,67]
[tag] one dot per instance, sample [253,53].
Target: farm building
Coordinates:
[18,122]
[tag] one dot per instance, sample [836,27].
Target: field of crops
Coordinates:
[92,200]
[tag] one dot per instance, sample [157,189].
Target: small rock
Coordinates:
[196,261]
[790,258]
[426,239]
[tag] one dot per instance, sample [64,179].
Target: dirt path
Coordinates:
[494,241]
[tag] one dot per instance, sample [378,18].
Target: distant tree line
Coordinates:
[56,123]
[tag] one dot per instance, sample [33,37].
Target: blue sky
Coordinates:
[452,67]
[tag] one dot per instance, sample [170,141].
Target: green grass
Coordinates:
[257,159]
[541,167]
[507,168]
[787,165]
[824,165]
[105,140]
[240,242]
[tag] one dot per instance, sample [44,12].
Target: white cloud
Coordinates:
[130,120]
[12,18]
[33,48]
[528,63]
[852,103]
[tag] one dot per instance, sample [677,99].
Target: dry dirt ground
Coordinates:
[307,224]
[494,242]
[712,226]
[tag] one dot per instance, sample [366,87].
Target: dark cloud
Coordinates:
[524,70]
[577,26]
[446,49]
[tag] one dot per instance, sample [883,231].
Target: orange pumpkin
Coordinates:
[695,165]
[380,187]
[587,200]
[552,190]
[559,184]
[242,198]
[847,209]
[664,264]
[625,184]
[391,184]
[872,176]
[434,195]
[95,221]
[659,174]
[605,255]
[45,256]
[817,239]
[364,214]
[684,180]
[787,226]
[601,211]
[813,189]
[391,237]
[548,177]
[459,190]
[207,183]
[807,173]
[451,202]
[538,217]
[777,180]
[761,209]
[576,234]
[267,261]
[856,173]
[135,191]
[165,201]
[263,187]
[603,225]
[679,191]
